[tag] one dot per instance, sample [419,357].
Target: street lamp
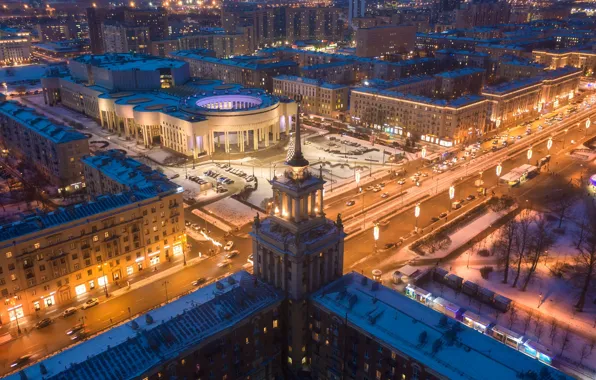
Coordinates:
[499,169]
[357,178]
[104,279]
[416,214]
[549,144]
[423,152]
[451,194]
[376,234]
[588,122]
[16,313]
[529,154]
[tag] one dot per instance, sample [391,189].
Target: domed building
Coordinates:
[199,117]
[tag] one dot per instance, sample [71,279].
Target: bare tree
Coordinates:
[512,316]
[538,330]
[585,265]
[553,329]
[562,203]
[584,353]
[542,240]
[528,321]
[522,241]
[566,342]
[505,245]
[581,234]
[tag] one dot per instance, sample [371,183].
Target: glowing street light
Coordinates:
[423,152]
[549,143]
[588,122]
[499,169]
[529,154]
[416,214]
[357,178]
[451,192]
[376,234]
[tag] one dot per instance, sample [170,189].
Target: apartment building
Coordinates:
[15,46]
[113,172]
[121,38]
[442,122]
[55,150]
[515,101]
[456,83]
[55,258]
[514,69]
[223,45]
[583,59]
[318,97]
[385,40]
[247,71]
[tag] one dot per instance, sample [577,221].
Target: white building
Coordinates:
[318,97]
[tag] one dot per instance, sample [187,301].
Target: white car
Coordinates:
[69,311]
[224,263]
[401,181]
[229,245]
[90,303]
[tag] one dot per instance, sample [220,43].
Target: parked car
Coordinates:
[470,197]
[385,195]
[389,245]
[43,323]
[434,219]
[369,188]
[90,303]
[199,281]
[401,181]
[232,254]
[175,176]
[229,245]
[350,203]
[68,312]
[443,215]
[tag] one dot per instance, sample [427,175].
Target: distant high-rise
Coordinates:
[356,8]
[127,21]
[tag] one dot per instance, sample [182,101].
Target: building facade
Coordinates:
[223,45]
[456,83]
[381,41]
[56,258]
[55,150]
[15,46]
[121,38]
[434,121]
[191,118]
[553,59]
[318,97]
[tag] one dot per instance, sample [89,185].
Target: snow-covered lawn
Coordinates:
[232,211]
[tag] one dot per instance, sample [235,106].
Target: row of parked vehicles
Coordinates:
[197,179]
[525,344]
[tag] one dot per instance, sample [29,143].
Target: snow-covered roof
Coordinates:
[397,322]
[125,352]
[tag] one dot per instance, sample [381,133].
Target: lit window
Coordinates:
[264,330]
[106,234]
[95,238]
[8,255]
[275,323]
[36,245]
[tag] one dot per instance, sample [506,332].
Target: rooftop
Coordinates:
[460,73]
[129,350]
[398,322]
[82,211]
[39,124]
[128,61]
[128,172]
[253,63]
[458,102]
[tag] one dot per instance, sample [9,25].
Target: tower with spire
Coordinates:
[296,248]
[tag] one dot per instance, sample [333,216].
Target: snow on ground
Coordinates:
[530,322]
[232,211]
[466,232]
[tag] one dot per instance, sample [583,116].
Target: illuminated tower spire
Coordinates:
[296,159]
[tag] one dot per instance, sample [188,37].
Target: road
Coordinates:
[359,250]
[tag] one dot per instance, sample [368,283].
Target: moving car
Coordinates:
[68,312]
[401,181]
[434,219]
[224,263]
[470,197]
[79,335]
[389,245]
[443,215]
[232,254]
[75,328]
[229,245]
[20,361]
[43,323]
[384,195]
[369,188]
[199,281]
[350,202]
[90,303]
